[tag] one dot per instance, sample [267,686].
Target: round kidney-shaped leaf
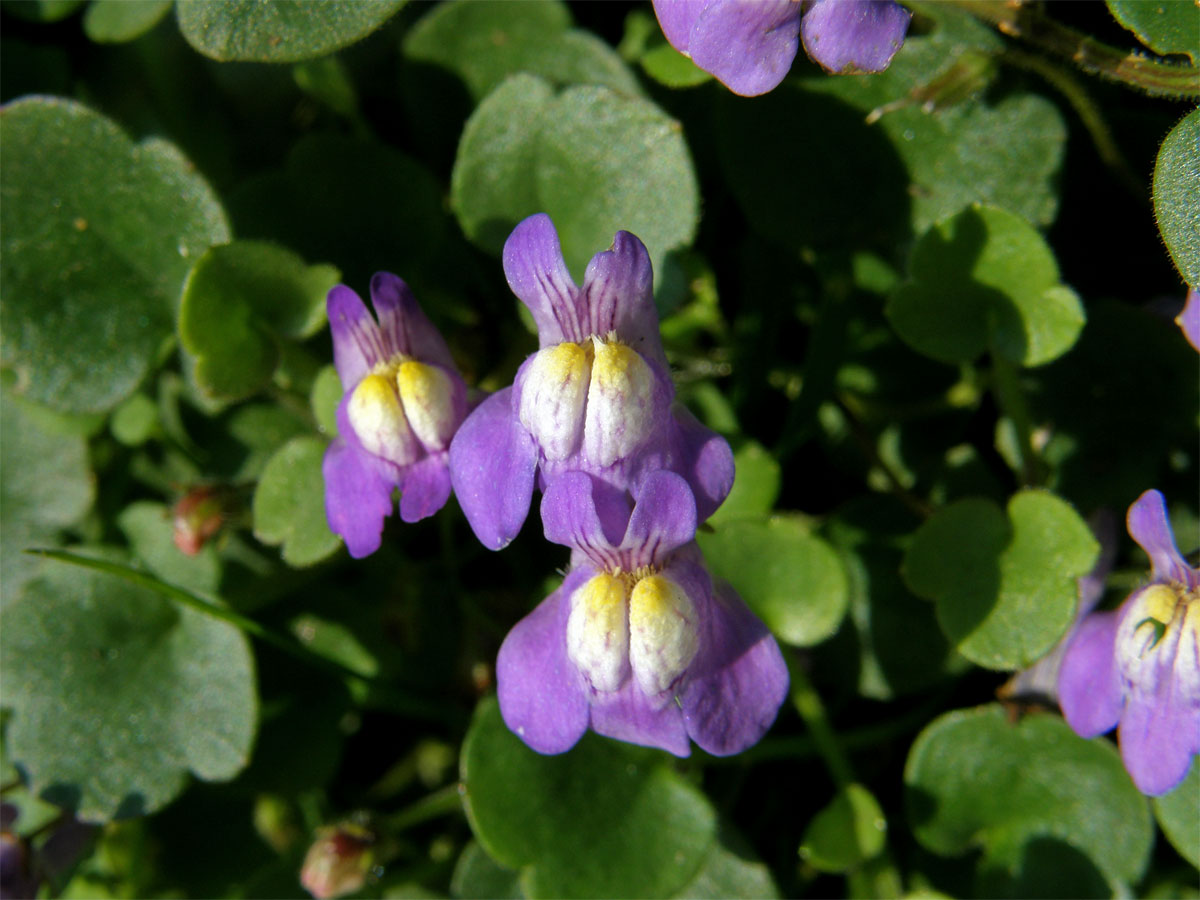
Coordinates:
[1005,586]
[1023,791]
[603,820]
[98,236]
[279,31]
[289,503]
[117,694]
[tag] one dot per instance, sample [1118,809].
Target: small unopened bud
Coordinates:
[198,516]
[338,861]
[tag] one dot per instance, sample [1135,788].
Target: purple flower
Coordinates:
[1138,667]
[404,401]
[1189,319]
[596,397]
[638,643]
[749,45]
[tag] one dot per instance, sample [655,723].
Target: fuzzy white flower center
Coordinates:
[400,406]
[1162,631]
[598,394]
[642,622]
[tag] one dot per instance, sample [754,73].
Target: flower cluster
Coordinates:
[749,45]
[1138,667]
[639,643]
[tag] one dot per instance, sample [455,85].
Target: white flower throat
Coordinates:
[598,394]
[403,408]
[1164,623]
[640,620]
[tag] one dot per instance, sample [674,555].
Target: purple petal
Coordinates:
[1159,732]
[629,716]
[704,459]
[1149,526]
[403,323]
[738,680]
[663,519]
[537,274]
[357,497]
[357,341]
[618,296]
[849,36]
[492,464]
[1189,319]
[677,18]
[1090,692]
[571,516]
[749,47]
[542,696]
[426,488]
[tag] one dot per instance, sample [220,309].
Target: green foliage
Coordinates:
[99,234]
[893,153]
[754,489]
[117,21]
[239,300]
[846,833]
[1052,812]
[117,693]
[278,31]
[289,507]
[797,585]
[985,280]
[484,43]
[147,527]
[1179,815]
[47,485]
[646,831]
[1176,173]
[1163,27]
[1004,586]
[588,157]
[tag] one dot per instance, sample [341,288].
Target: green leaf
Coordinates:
[479,877]
[279,31]
[135,421]
[797,584]
[1024,791]
[99,234]
[117,693]
[262,428]
[117,21]
[846,833]
[605,819]
[1166,27]
[589,157]
[148,528]
[289,503]
[668,66]
[1179,815]
[985,279]
[325,396]
[756,486]
[727,874]
[47,485]
[237,298]
[1176,173]
[484,43]
[493,184]
[1005,587]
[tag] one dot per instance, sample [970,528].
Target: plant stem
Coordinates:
[808,703]
[442,802]
[1006,385]
[1030,24]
